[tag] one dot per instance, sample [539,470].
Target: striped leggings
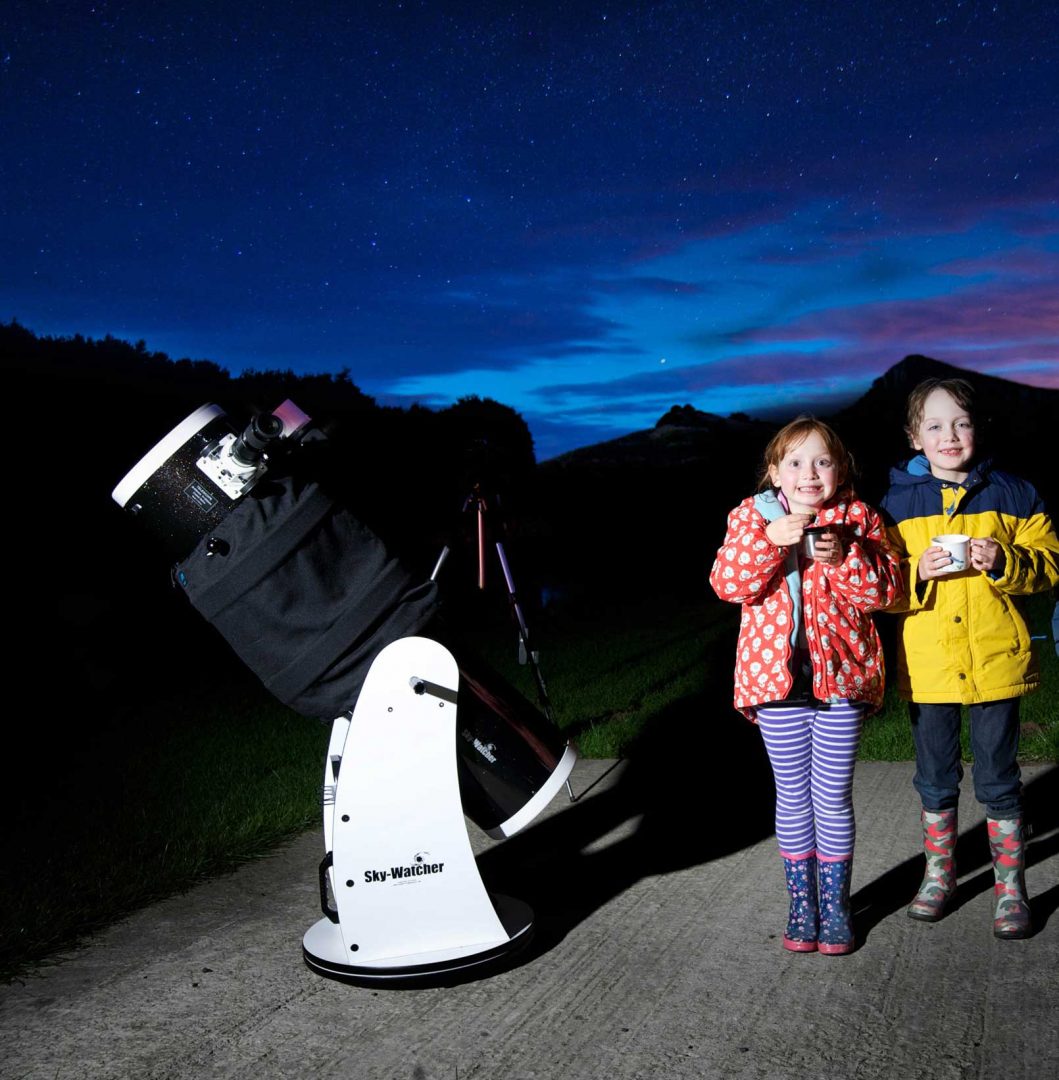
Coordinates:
[813,748]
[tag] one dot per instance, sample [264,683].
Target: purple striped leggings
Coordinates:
[813,748]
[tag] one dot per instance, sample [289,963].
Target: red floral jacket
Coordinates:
[835,601]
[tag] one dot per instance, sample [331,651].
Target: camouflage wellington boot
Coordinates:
[836,925]
[1012,913]
[939,878]
[802,919]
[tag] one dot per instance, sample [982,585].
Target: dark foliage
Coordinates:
[98,628]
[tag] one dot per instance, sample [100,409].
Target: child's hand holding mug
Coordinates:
[787,530]
[987,555]
[823,545]
[934,562]
[949,554]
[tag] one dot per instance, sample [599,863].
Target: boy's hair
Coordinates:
[960,390]
[797,431]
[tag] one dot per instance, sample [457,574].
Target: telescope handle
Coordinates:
[325,864]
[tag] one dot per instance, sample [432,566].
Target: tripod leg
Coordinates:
[523,630]
[441,559]
[481,544]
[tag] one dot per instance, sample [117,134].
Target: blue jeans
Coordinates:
[994,742]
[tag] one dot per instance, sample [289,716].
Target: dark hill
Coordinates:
[1012,424]
[684,434]
[647,511]
[633,513]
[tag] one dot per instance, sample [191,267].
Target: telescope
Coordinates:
[338,629]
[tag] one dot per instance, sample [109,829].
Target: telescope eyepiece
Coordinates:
[252,445]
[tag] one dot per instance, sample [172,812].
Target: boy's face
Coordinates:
[946,436]
[806,474]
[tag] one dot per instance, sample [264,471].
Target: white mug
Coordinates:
[957,545]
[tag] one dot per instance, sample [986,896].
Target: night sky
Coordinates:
[588,211]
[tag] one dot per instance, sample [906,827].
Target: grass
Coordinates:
[148,803]
[612,671]
[610,674]
[151,806]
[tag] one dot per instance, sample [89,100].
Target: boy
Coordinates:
[963,639]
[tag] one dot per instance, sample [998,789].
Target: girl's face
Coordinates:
[806,475]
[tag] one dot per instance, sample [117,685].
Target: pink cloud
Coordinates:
[848,369]
[975,318]
[1022,261]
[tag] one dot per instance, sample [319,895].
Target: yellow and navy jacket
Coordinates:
[963,636]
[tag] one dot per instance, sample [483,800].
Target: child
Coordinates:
[963,639]
[809,664]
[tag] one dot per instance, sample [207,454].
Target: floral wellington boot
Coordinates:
[802,919]
[939,879]
[1012,913]
[836,926]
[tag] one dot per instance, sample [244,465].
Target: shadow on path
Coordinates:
[696,786]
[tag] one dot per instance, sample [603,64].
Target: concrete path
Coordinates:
[657,955]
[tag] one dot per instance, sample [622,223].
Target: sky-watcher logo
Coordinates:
[420,867]
[487,750]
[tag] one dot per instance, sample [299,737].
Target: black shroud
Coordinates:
[304,593]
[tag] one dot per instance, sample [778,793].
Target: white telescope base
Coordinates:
[408,900]
[324,950]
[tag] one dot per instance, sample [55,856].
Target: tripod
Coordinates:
[475,503]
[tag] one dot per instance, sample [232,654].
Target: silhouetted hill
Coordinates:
[647,511]
[683,434]
[633,513]
[1012,424]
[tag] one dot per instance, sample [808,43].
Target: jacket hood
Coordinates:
[917,471]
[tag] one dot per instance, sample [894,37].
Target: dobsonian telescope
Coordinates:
[338,629]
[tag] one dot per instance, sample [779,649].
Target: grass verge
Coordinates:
[153,804]
[611,671]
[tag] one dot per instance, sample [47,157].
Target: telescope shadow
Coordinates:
[694,787]
[892,891]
